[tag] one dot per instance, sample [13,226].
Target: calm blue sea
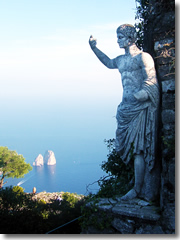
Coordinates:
[74,132]
[73,172]
[72,177]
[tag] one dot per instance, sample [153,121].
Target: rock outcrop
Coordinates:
[49,158]
[39,161]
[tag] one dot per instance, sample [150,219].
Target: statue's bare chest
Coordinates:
[130,68]
[129,63]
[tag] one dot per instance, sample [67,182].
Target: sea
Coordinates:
[76,136]
[75,171]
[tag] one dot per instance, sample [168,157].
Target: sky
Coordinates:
[48,74]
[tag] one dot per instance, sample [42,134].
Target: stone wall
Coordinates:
[159,41]
[164,55]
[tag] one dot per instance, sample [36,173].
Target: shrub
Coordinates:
[120,176]
[12,197]
[70,198]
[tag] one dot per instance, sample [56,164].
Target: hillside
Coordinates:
[27,213]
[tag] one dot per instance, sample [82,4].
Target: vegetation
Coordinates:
[119,178]
[149,14]
[117,182]
[169,144]
[141,18]
[91,216]
[22,213]
[12,165]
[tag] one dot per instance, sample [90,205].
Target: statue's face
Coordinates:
[122,40]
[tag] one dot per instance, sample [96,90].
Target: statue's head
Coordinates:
[127,31]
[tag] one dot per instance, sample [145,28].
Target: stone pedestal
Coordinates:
[128,217]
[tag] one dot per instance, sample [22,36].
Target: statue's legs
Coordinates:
[139,168]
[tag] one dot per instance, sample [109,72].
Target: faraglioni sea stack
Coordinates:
[49,159]
[38,161]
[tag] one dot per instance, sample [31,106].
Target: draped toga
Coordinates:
[136,120]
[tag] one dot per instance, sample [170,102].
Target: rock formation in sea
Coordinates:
[49,158]
[39,161]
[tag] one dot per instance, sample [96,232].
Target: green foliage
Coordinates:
[120,176]
[42,202]
[18,190]
[147,14]
[21,213]
[70,198]
[142,7]
[12,165]
[91,216]
[117,182]
[169,144]
[45,214]
[12,198]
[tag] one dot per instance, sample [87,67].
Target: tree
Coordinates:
[12,165]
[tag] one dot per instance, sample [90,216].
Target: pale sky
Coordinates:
[47,66]
[44,48]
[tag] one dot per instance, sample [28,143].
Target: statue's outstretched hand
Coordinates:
[92,42]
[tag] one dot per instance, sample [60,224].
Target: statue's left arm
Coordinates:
[149,76]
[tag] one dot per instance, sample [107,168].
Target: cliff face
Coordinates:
[49,159]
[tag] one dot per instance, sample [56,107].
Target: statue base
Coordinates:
[126,217]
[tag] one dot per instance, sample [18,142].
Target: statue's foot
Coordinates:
[130,195]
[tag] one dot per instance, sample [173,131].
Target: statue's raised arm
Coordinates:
[109,63]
